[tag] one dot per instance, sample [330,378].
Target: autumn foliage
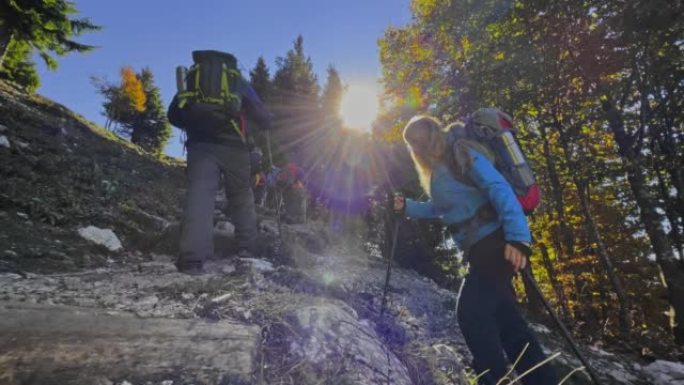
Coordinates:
[592,87]
[132,89]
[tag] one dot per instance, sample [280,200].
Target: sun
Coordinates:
[360,105]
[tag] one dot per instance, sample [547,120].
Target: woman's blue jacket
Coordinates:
[455,202]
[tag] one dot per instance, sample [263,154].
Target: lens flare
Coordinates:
[360,105]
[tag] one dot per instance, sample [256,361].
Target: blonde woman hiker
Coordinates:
[485,219]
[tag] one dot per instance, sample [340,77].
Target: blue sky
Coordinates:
[161,35]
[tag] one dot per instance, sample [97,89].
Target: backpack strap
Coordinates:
[460,160]
[460,163]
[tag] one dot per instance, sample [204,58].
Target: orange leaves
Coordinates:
[132,89]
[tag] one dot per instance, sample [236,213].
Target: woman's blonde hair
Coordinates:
[427,143]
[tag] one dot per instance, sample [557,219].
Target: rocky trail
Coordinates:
[314,319]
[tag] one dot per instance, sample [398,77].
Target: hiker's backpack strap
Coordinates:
[460,160]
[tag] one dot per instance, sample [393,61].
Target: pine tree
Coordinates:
[46,26]
[135,108]
[295,102]
[123,102]
[295,75]
[151,129]
[261,80]
[332,98]
[19,66]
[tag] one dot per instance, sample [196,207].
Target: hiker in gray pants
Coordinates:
[217,145]
[206,163]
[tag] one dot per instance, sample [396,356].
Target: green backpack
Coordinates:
[210,84]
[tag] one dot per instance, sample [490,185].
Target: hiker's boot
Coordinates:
[245,253]
[242,264]
[190,267]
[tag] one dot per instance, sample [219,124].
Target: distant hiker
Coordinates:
[211,106]
[258,178]
[290,181]
[484,218]
[259,188]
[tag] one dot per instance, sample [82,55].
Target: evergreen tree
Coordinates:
[295,103]
[295,76]
[261,80]
[151,129]
[123,102]
[135,108]
[332,98]
[46,26]
[19,66]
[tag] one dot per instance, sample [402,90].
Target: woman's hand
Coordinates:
[516,257]
[399,203]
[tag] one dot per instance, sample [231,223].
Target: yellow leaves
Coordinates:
[499,56]
[419,50]
[427,8]
[465,44]
[577,83]
[132,88]
[414,97]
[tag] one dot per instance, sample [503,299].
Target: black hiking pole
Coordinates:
[393,247]
[389,267]
[275,187]
[564,331]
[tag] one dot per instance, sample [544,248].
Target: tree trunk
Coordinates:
[672,268]
[565,244]
[553,278]
[670,212]
[5,40]
[567,237]
[604,258]
[595,237]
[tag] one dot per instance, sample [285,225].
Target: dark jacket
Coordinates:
[205,123]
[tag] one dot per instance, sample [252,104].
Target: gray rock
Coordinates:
[41,342]
[665,372]
[224,229]
[259,265]
[3,128]
[334,335]
[104,237]
[4,142]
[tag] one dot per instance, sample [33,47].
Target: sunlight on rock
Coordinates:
[328,278]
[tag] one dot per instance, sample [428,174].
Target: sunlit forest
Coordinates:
[596,89]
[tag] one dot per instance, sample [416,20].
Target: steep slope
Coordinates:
[308,313]
[59,173]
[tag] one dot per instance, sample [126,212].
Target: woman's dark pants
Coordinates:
[491,322]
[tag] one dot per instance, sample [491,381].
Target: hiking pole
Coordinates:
[395,235]
[526,273]
[389,267]
[275,187]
